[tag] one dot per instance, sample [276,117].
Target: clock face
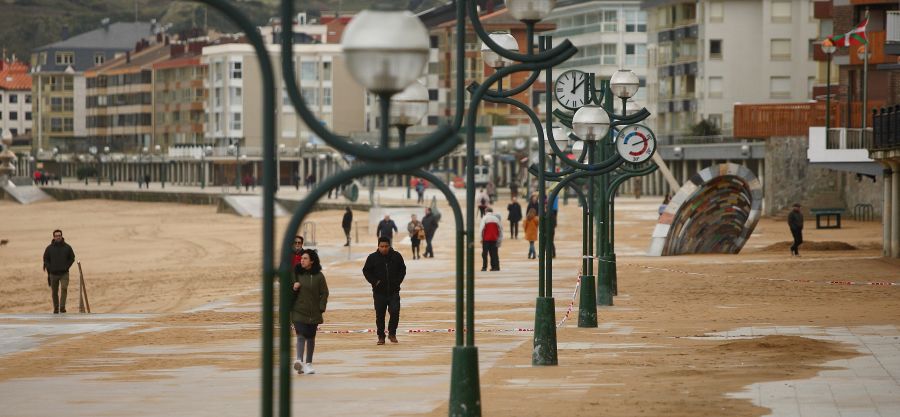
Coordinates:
[520,143]
[635,143]
[571,89]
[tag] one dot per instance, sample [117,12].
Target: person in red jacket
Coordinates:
[298,250]
[491,237]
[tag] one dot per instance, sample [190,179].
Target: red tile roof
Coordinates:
[14,76]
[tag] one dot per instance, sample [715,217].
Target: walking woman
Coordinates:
[310,300]
[531,231]
[416,234]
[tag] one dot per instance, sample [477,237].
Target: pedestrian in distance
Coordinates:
[491,192]
[514,187]
[298,250]
[484,201]
[430,223]
[416,235]
[514,215]
[346,222]
[532,203]
[662,207]
[531,231]
[386,228]
[491,238]
[795,223]
[310,302]
[420,191]
[58,258]
[385,271]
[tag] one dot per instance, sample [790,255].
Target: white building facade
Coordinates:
[707,55]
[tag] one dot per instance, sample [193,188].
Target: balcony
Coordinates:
[842,149]
[822,9]
[762,121]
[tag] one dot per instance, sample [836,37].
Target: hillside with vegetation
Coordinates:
[28,24]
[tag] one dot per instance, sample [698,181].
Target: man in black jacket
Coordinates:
[430,223]
[385,271]
[795,223]
[346,223]
[58,258]
[386,228]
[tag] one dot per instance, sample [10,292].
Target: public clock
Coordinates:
[570,89]
[520,144]
[635,143]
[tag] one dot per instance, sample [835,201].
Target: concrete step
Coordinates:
[25,194]
[246,206]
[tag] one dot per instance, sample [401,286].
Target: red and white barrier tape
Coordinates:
[571,303]
[832,282]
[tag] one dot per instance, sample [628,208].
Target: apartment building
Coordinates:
[59,87]
[15,98]
[180,96]
[707,55]
[610,35]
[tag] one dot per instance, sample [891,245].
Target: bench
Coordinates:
[828,214]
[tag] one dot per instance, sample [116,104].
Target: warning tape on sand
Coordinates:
[807,281]
[514,330]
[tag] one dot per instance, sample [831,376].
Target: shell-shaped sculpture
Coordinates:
[714,212]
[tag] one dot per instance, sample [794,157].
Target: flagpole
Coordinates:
[865,83]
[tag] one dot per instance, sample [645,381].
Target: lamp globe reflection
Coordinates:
[491,58]
[559,137]
[624,83]
[590,123]
[530,10]
[385,50]
[410,105]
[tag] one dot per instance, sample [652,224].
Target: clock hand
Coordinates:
[578,85]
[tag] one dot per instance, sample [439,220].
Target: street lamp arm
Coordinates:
[624,175]
[564,47]
[511,92]
[342,144]
[630,119]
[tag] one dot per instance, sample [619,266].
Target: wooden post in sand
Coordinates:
[82,292]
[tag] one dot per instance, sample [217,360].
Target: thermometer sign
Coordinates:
[635,143]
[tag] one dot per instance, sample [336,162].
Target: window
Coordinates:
[68,104]
[286,104]
[432,94]
[610,21]
[326,96]
[13,98]
[236,72]
[781,49]
[310,96]
[1,115]
[636,54]
[716,11]
[65,58]
[309,70]
[326,71]
[217,71]
[635,21]
[68,126]
[781,12]
[13,115]
[217,97]
[235,121]
[715,87]
[55,103]
[608,54]
[28,98]
[99,59]
[235,96]
[28,115]
[780,87]
[14,132]
[217,122]
[1,98]
[715,49]
[715,120]
[56,124]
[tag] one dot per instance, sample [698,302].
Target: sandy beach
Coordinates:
[191,278]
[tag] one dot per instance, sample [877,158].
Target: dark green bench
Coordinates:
[828,214]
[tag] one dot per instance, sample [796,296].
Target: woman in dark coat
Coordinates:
[310,301]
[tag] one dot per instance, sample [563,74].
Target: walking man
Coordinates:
[385,270]
[386,228]
[795,223]
[58,258]
[346,222]
[514,215]
[491,237]
[430,223]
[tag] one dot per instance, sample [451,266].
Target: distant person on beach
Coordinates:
[665,203]
[531,231]
[491,238]
[430,223]
[298,250]
[385,271]
[58,258]
[310,301]
[386,228]
[514,215]
[346,223]
[795,223]
[416,235]
[484,201]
